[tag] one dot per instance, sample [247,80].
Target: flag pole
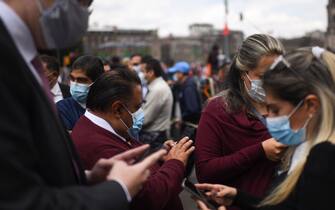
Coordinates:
[226,30]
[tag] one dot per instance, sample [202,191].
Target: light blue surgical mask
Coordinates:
[64,23]
[175,78]
[79,91]
[138,120]
[256,91]
[280,129]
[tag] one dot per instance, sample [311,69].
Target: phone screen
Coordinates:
[191,188]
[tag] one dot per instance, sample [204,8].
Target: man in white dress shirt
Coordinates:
[51,68]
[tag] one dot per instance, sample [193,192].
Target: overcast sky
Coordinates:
[284,18]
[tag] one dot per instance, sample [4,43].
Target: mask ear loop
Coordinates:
[124,123]
[296,108]
[128,113]
[248,76]
[131,114]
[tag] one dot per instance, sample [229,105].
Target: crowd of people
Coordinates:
[124,133]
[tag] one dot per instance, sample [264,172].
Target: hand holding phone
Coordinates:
[191,188]
[149,151]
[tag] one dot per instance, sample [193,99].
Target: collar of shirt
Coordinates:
[57,92]
[21,35]
[83,105]
[154,82]
[298,155]
[102,123]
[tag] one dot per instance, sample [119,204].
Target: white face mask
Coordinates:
[63,24]
[256,91]
[137,68]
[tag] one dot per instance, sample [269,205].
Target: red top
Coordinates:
[229,151]
[164,184]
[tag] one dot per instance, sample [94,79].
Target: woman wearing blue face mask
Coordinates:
[301,103]
[110,126]
[233,145]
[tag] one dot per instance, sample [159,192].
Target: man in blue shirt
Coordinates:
[188,98]
[85,70]
[187,93]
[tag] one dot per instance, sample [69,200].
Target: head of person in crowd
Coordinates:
[169,63]
[180,71]
[144,60]
[152,69]
[213,58]
[115,62]
[223,70]
[252,60]
[301,102]
[106,64]
[135,62]
[125,62]
[46,21]
[51,68]
[116,97]
[85,70]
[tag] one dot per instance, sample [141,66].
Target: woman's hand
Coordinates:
[274,150]
[221,194]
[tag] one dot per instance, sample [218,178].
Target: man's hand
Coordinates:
[181,150]
[134,176]
[102,168]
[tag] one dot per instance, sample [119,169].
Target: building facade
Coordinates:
[331,25]
[193,48]
[121,42]
[196,47]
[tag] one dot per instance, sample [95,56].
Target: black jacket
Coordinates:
[189,100]
[36,154]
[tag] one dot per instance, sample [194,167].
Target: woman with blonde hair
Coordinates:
[301,103]
[233,146]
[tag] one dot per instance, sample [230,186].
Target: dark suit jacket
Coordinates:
[36,153]
[65,89]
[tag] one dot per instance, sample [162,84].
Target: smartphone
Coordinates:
[148,152]
[192,189]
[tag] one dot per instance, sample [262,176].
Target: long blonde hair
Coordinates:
[306,75]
